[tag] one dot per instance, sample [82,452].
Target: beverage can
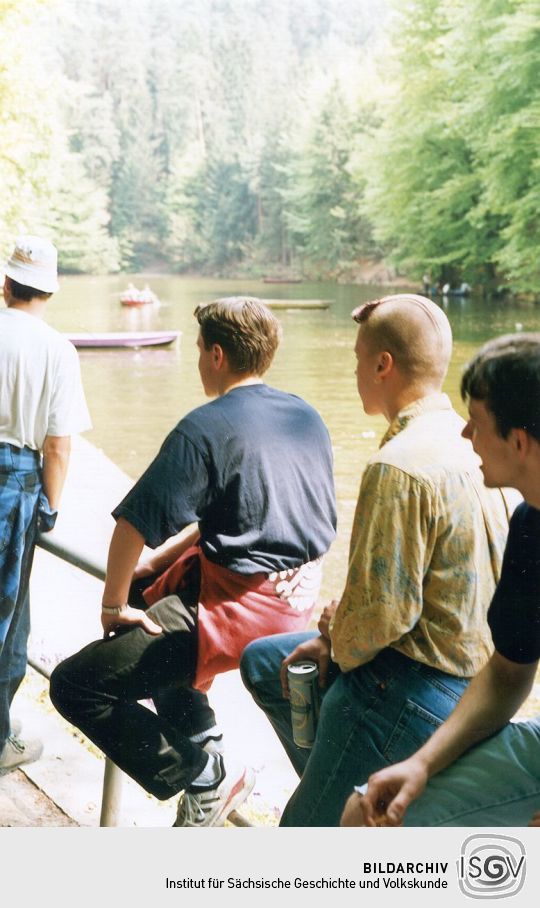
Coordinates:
[305,699]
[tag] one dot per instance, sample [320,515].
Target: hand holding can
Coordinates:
[305,701]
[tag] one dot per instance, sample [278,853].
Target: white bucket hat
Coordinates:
[33,263]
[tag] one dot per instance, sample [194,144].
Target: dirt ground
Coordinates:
[23,804]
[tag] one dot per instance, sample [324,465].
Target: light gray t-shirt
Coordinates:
[41,391]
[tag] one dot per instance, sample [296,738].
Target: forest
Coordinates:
[294,137]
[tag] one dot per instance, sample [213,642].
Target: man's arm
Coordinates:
[124,551]
[168,553]
[165,500]
[489,702]
[326,618]
[56,451]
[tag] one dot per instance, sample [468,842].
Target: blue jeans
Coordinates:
[14,632]
[370,717]
[497,783]
[20,498]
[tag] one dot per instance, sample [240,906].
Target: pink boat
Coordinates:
[124,339]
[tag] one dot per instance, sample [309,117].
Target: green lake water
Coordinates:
[137,396]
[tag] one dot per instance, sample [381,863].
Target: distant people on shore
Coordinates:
[432,288]
[463,290]
[253,468]
[42,404]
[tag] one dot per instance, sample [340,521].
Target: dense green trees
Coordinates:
[322,209]
[304,135]
[45,186]
[187,134]
[26,118]
[454,167]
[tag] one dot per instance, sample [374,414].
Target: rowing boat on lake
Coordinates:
[134,297]
[124,339]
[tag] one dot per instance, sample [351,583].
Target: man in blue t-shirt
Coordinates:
[497,783]
[253,470]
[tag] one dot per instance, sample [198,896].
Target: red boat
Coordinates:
[134,297]
[134,302]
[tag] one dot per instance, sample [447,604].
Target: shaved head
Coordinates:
[413,329]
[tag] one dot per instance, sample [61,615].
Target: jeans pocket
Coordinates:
[414,726]
[29,481]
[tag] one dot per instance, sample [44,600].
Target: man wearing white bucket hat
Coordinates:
[41,405]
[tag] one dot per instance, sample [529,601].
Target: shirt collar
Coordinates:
[429,404]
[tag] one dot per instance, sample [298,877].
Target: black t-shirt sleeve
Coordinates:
[514,614]
[170,494]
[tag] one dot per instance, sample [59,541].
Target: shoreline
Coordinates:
[365,272]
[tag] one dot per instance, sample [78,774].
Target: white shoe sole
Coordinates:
[237,796]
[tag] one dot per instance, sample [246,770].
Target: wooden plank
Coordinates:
[297,304]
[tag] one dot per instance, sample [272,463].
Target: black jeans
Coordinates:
[98,690]
[189,707]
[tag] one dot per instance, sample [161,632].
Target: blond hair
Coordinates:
[413,329]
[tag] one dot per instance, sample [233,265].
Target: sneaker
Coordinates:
[17,752]
[213,745]
[16,727]
[211,808]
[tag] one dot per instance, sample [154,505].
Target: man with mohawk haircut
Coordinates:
[397,651]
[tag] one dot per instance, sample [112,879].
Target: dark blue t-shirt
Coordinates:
[254,469]
[514,613]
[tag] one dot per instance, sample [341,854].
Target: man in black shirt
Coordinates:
[497,783]
[253,468]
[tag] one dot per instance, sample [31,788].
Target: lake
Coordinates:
[137,396]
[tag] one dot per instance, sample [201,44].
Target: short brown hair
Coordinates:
[244,328]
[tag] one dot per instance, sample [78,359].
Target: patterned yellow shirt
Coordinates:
[426,548]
